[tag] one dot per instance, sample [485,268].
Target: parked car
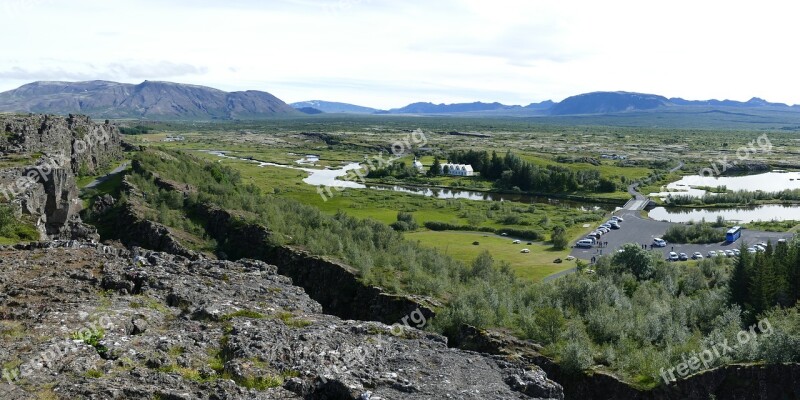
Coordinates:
[712,254]
[673,256]
[570,258]
[697,256]
[515,242]
[525,251]
[476,243]
[729,253]
[762,244]
[737,252]
[604,229]
[618,219]
[584,243]
[683,257]
[658,242]
[760,249]
[751,250]
[781,240]
[615,225]
[503,234]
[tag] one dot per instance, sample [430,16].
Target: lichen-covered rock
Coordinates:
[87,321]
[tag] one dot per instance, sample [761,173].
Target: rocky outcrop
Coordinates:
[108,323]
[751,381]
[82,145]
[351,299]
[41,155]
[134,229]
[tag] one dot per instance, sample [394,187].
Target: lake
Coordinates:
[774,181]
[768,212]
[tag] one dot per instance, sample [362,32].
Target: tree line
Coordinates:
[761,281]
[512,172]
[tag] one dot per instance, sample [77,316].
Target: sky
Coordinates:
[387,54]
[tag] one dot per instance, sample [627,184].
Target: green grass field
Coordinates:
[533,266]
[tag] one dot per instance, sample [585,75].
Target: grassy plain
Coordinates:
[650,152]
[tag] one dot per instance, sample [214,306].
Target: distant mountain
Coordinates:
[309,110]
[545,105]
[147,100]
[608,102]
[754,102]
[430,108]
[331,107]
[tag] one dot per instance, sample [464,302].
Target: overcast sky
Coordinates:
[386,54]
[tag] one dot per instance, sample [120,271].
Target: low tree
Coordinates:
[636,260]
[436,167]
[559,237]
[550,322]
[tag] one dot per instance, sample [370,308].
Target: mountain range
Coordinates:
[147,100]
[174,101]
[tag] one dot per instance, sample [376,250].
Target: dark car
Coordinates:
[683,257]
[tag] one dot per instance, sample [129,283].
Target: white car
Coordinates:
[658,242]
[760,249]
[697,256]
[736,252]
[584,243]
[525,251]
[673,256]
[618,219]
[712,254]
[729,253]
[515,242]
[751,250]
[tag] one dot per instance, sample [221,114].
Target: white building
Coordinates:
[457,169]
[418,165]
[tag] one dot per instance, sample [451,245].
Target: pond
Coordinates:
[774,181]
[768,212]
[329,177]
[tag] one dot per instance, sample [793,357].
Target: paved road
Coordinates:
[637,229]
[108,176]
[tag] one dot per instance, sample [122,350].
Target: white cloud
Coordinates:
[385,54]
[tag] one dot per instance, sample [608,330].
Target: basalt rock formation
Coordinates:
[89,321]
[41,157]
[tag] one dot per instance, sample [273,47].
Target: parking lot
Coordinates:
[636,229]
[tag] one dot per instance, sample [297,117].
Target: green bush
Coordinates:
[699,233]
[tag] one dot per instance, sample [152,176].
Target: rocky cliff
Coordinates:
[88,321]
[41,157]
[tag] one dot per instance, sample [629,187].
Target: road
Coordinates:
[108,176]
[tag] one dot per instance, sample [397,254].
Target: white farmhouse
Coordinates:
[457,169]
